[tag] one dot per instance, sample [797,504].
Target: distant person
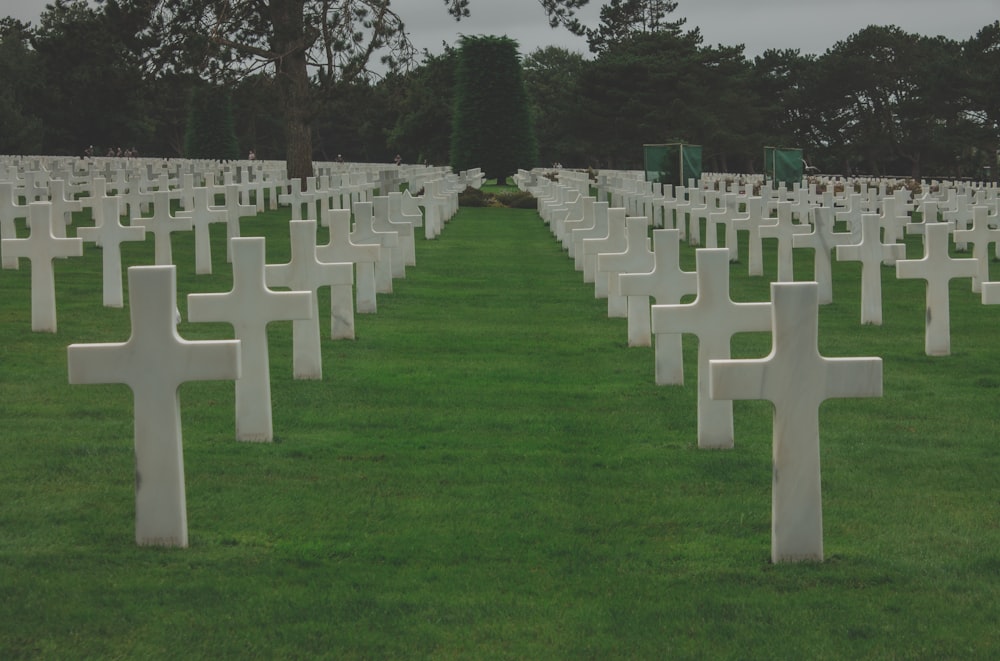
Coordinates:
[340,159]
[252,156]
[398,159]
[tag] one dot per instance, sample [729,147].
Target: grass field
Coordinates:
[489,472]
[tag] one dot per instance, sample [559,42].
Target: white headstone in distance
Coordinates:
[714,317]
[40,248]
[823,240]
[365,232]
[305,272]
[154,362]
[784,230]
[937,268]
[364,256]
[161,225]
[635,258]
[249,307]
[109,234]
[667,284]
[980,235]
[871,252]
[796,379]
[202,214]
[10,211]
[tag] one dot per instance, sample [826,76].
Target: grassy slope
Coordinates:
[489,472]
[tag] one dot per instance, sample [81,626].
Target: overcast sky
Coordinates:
[811,26]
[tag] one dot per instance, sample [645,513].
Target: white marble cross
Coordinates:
[10,210]
[109,234]
[852,216]
[364,256]
[796,379]
[892,220]
[397,216]
[249,307]
[981,235]
[667,284]
[752,222]
[635,258]
[784,230]
[581,262]
[62,207]
[937,268]
[714,317]
[202,216]
[234,211]
[154,362]
[823,240]
[404,234]
[365,232]
[40,248]
[871,252]
[161,224]
[615,241]
[305,272]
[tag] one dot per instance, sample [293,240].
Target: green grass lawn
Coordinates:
[488,471]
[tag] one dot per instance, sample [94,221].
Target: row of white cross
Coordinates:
[155,360]
[612,249]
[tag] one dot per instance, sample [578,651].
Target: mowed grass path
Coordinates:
[488,471]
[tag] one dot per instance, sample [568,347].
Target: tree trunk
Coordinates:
[291,40]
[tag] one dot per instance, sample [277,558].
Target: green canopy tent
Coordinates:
[783,165]
[673,163]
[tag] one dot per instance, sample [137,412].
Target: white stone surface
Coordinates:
[937,268]
[161,225]
[637,257]
[823,240]
[365,232]
[796,379]
[871,252]
[364,256]
[305,272]
[980,235]
[714,317]
[666,284]
[154,362]
[784,230]
[250,306]
[10,211]
[109,234]
[40,248]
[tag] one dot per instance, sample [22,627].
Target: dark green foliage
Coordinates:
[210,129]
[422,130]
[491,124]
[512,199]
[551,77]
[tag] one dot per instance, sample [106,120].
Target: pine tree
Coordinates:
[491,124]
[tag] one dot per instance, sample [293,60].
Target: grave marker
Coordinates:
[249,307]
[937,268]
[109,234]
[154,362]
[871,252]
[714,317]
[666,284]
[40,248]
[796,379]
[305,272]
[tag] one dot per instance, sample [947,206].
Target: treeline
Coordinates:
[882,101]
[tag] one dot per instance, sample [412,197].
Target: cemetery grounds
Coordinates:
[488,471]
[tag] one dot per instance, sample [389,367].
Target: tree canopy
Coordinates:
[880,101]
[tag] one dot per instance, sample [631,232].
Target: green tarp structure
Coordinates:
[783,164]
[673,163]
